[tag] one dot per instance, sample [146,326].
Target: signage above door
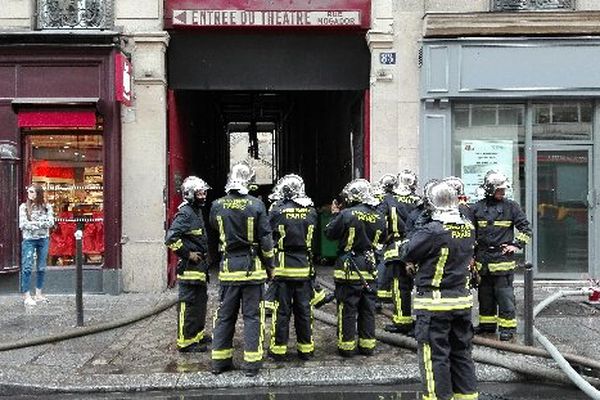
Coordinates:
[340,14]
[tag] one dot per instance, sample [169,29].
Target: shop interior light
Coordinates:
[65,147]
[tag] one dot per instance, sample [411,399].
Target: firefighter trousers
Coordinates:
[402,285]
[231,297]
[355,313]
[497,303]
[191,313]
[292,296]
[444,350]
[385,278]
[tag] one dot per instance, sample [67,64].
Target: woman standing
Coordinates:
[35,220]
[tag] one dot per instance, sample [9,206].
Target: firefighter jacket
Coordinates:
[360,230]
[244,238]
[395,213]
[186,234]
[293,232]
[443,253]
[495,222]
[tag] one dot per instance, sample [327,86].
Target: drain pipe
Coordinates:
[564,365]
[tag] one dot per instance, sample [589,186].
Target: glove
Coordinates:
[195,256]
[509,248]
[411,269]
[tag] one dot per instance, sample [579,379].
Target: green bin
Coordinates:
[327,248]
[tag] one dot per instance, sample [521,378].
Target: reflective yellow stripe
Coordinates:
[350,242]
[223,354]
[482,224]
[384,294]
[278,349]
[180,335]
[507,323]
[503,223]
[196,232]
[468,396]
[399,318]
[192,276]
[377,237]
[523,237]
[478,266]
[367,343]
[222,240]
[487,319]
[268,254]
[352,276]
[439,267]
[255,356]
[292,272]
[305,347]
[281,259]
[428,367]
[502,266]
[250,228]
[273,347]
[391,253]
[318,295]
[281,229]
[309,236]
[181,342]
[176,245]
[242,276]
[394,216]
[351,345]
[443,304]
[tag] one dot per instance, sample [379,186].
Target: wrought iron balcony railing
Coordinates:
[531,5]
[75,14]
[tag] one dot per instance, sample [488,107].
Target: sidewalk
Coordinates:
[142,356]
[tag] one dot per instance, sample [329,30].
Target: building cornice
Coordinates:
[542,23]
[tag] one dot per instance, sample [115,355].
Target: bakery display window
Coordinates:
[70,168]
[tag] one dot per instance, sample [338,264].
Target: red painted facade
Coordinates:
[363,6]
[39,73]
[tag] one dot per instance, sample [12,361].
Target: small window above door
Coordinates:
[563,120]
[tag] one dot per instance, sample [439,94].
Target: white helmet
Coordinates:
[407,182]
[359,191]
[456,183]
[190,186]
[240,177]
[443,201]
[493,181]
[388,183]
[291,187]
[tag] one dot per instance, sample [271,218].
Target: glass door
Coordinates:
[562,214]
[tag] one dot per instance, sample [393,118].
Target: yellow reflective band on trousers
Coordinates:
[196,232]
[275,349]
[223,354]
[309,236]
[352,276]
[523,237]
[439,267]
[268,254]
[502,266]
[350,242]
[503,223]
[384,294]
[192,276]
[292,272]
[305,347]
[443,304]
[250,228]
[350,345]
[182,342]
[256,356]
[242,276]
[429,377]
[399,318]
[367,343]
[281,229]
[463,396]
[317,296]
[222,239]
[507,323]
[487,319]
[176,245]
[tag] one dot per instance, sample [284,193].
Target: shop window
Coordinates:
[486,137]
[563,121]
[70,168]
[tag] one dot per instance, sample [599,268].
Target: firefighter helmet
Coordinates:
[443,202]
[240,177]
[190,186]
[387,183]
[493,181]
[291,187]
[359,191]
[456,183]
[407,182]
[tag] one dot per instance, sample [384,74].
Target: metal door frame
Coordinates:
[538,146]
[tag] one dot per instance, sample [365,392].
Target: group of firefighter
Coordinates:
[424,254]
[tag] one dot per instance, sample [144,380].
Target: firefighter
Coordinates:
[459,186]
[293,221]
[442,250]
[360,228]
[395,284]
[496,219]
[187,238]
[246,249]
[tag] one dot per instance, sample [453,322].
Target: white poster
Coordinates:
[480,156]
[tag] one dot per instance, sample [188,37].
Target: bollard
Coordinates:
[528,303]
[79,273]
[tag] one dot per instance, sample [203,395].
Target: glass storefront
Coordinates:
[489,136]
[70,168]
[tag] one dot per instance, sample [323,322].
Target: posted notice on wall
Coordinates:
[480,156]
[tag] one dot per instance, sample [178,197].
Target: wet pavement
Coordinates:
[142,356]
